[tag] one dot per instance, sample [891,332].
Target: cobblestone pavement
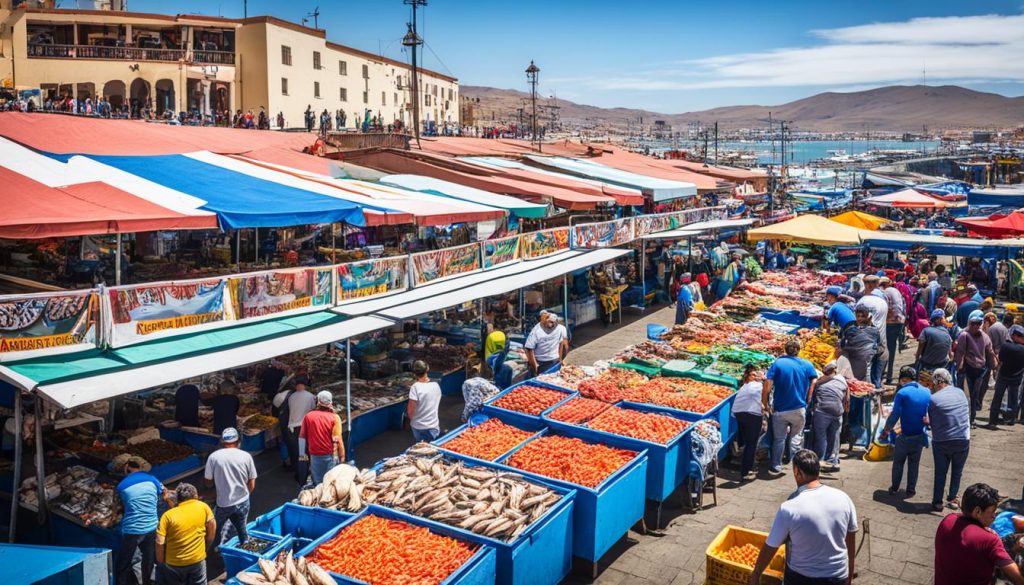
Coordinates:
[898,546]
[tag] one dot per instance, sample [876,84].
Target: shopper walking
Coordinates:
[894,322]
[293,405]
[999,333]
[830,399]
[749,417]
[320,437]
[184,533]
[232,472]
[1008,377]
[875,301]
[861,344]
[424,401]
[818,524]
[934,344]
[547,345]
[787,383]
[967,551]
[949,413]
[909,409]
[972,355]
[140,494]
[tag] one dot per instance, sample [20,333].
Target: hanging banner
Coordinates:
[644,224]
[281,292]
[431,266]
[148,311]
[543,243]
[500,251]
[45,324]
[603,234]
[371,278]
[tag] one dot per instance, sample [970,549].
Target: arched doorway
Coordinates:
[140,96]
[221,97]
[165,100]
[115,93]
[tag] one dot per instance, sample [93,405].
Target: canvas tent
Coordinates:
[809,229]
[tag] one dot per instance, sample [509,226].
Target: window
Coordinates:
[450,95]
[366,71]
[286,55]
[366,97]
[284,86]
[316,60]
[426,99]
[396,99]
[383,98]
[398,82]
[344,94]
[316,89]
[342,67]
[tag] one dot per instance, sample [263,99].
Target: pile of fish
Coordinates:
[287,570]
[489,502]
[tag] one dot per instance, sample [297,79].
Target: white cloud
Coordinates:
[982,49]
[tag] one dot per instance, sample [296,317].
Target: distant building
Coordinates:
[982,137]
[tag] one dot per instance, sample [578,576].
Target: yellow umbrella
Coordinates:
[861,220]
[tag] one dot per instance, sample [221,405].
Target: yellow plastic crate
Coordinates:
[723,572]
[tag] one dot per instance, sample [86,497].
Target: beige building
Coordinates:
[208,63]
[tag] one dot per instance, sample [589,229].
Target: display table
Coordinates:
[451,382]
[861,421]
[20,563]
[370,423]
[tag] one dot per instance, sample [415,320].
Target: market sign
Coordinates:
[500,251]
[148,311]
[48,323]
[435,265]
[544,242]
[281,292]
[603,234]
[371,278]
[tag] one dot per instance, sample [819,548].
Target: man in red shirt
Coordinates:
[320,437]
[967,551]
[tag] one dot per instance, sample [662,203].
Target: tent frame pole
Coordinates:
[238,251]
[565,299]
[117,261]
[40,471]
[643,275]
[334,250]
[18,440]
[256,245]
[348,394]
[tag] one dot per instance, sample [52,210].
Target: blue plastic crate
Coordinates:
[791,318]
[480,569]
[174,435]
[667,464]
[236,559]
[603,514]
[298,521]
[374,422]
[455,433]
[721,413]
[525,421]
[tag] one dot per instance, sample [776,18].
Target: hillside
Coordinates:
[893,108]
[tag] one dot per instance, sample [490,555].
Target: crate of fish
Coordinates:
[609,483]
[486,440]
[664,435]
[298,521]
[259,545]
[689,398]
[522,403]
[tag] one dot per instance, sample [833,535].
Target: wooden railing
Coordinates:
[42,50]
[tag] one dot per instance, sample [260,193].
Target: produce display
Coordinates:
[743,555]
[78,492]
[489,502]
[860,388]
[820,349]
[608,386]
[566,377]
[488,440]
[570,460]
[256,545]
[154,451]
[681,394]
[646,426]
[287,570]
[440,356]
[380,551]
[259,422]
[529,399]
[159,452]
[578,410]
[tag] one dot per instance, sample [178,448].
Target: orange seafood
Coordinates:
[380,551]
[529,399]
[646,426]
[743,555]
[578,410]
[488,440]
[571,460]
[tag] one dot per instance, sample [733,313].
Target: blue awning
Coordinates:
[239,200]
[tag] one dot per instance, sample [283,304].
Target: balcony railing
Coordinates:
[128,53]
[214,57]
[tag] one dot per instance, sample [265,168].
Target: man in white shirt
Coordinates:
[424,401]
[293,406]
[818,524]
[233,473]
[547,344]
[878,308]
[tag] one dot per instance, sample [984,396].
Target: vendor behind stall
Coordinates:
[225,407]
[547,344]
[273,374]
[140,494]
[186,405]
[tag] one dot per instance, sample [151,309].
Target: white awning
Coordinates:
[696,229]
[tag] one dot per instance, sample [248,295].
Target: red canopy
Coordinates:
[33,210]
[996,226]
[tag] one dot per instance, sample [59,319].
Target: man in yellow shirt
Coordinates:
[182,536]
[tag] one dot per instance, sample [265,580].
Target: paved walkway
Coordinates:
[899,544]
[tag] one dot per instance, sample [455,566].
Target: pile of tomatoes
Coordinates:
[578,410]
[744,555]
[571,460]
[488,440]
[529,399]
[646,426]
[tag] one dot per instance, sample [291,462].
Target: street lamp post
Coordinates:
[413,40]
[531,77]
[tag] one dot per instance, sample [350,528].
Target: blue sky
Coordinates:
[677,56]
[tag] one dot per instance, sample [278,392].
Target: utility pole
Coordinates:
[412,40]
[531,77]
[245,8]
[716,142]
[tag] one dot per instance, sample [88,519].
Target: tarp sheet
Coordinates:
[658,189]
[943,245]
[516,169]
[861,220]
[463,193]
[908,198]
[1005,196]
[998,227]
[809,229]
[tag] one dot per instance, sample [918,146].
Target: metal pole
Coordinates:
[256,246]
[643,275]
[334,252]
[238,250]
[40,471]
[117,262]
[17,463]
[348,391]
[565,298]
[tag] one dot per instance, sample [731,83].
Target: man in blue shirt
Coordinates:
[790,378]
[140,492]
[839,314]
[909,408]
[684,302]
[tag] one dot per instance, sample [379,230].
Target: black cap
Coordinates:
[301,379]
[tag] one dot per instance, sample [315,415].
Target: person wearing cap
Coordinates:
[972,355]
[547,344]
[967,551]
[140,495]
[909,409]
[874,300]
[861,343]
[839,314]
[292,406]
[684,302]
[934,344]
[830,399]
[232,472]
[320,437]
[1009,377]
[424,401]
[967,307]
[895,321]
